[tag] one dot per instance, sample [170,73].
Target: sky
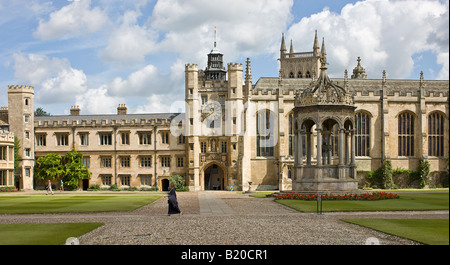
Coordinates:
[98,54]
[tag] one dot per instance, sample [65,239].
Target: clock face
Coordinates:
[215,114]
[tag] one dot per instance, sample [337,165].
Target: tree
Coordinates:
[178,182]
[17,156]
[49,167]
[69,168]
[74,170]
[41,112]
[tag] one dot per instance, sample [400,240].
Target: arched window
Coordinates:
[291,75]
[299,75]
[308,75]
[406,134]
[436,134]
[265,133]
[291,134]
[362,134]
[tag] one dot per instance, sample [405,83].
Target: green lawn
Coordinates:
[73,203]
[413,201]
[426,231]
[42,234]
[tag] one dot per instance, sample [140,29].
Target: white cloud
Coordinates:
[385,34]
[129,43]
[244,27]
[443,59]
[140,83]
[73,20]
[54,78]
[97,101]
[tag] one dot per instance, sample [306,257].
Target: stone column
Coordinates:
[347,147]
[296,161]
[352,135]
[341,147]
[319,146]
[308,148]
[299,148]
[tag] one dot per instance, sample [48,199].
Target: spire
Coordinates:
[248,75]
[248,71]
[316,46]
[359,72]
[283,46]
[291,50]
[324,52]
[215,36]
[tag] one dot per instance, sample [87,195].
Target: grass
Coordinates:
[72,203]
[425,231]
[414,201]
[42,234]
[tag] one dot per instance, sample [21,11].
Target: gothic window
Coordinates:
[125,138]
[299,75]
[165,161]
[165,137]
[62,139]
[125,161]
[264,133]
[291,75]
[105,138]
[334,138]
[145,138]
[203,147]
[406,134]
[41,140]
[125,180]
[308,75]
[362,134]
[291,134]
[146,161]
[436,134]
[84,139]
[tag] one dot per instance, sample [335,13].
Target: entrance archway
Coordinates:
[213,178]
[165,184]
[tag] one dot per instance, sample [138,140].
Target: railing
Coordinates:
[299,55]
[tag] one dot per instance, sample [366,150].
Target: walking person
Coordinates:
[61,186]
[172,200]
[49,187]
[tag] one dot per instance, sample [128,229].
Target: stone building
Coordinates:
[239,133]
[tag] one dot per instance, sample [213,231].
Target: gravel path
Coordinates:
[247,220]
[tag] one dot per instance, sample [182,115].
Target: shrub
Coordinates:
[344,197]
[178,182]
[8,189]
[94,187]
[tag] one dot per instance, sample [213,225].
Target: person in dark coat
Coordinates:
[172,200]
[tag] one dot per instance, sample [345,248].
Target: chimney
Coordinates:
[75,110]
[122,109]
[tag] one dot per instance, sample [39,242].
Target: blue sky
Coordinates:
[101,53]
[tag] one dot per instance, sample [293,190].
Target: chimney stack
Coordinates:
[75,110]
[122,109]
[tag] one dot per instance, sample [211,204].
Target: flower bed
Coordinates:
[8,189]
[339,197]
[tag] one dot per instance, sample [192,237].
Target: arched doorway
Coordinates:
[165,184]
[213,178]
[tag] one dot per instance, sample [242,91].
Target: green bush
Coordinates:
[114,187]
[94,187]
[178,181]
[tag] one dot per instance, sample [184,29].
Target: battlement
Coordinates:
[4,108]
[235,67]
[24,88]
[101,121]
[6,136]
[191,67]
